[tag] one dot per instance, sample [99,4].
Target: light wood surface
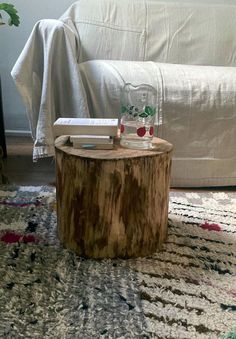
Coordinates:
[112,203]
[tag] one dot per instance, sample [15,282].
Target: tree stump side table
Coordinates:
[112,203]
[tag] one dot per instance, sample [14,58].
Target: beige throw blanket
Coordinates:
[47,77]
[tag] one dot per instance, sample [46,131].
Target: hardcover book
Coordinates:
[91,139]
[93,146]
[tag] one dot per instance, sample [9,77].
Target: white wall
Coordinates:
[12,41]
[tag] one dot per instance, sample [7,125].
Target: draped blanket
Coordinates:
[196,112]
[47,77]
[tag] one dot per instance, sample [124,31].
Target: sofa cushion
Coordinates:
[191,33]
[196,104]
[109,29]
[170,32]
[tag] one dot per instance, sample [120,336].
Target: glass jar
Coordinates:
[138,110]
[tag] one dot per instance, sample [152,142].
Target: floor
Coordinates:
[19,167]
[21,170]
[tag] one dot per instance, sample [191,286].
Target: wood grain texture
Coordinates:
[112,203]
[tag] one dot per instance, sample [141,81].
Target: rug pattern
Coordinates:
[188,290]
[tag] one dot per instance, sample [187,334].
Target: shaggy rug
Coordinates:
[188,290]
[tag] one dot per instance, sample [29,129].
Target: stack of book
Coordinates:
[88,133]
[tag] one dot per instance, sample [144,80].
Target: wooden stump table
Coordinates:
[112,203]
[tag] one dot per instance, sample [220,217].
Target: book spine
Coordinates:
[93,146]
[91,140]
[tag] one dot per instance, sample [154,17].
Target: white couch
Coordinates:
[77,65]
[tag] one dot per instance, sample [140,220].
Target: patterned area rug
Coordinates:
[186,291]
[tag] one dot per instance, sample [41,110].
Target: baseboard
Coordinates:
[17,133]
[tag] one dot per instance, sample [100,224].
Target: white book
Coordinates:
[93,139]
[75,126]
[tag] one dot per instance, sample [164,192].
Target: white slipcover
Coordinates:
[196,106]
[188,51]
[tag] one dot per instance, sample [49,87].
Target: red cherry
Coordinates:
[122,128]
[151,130]
[141,131]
